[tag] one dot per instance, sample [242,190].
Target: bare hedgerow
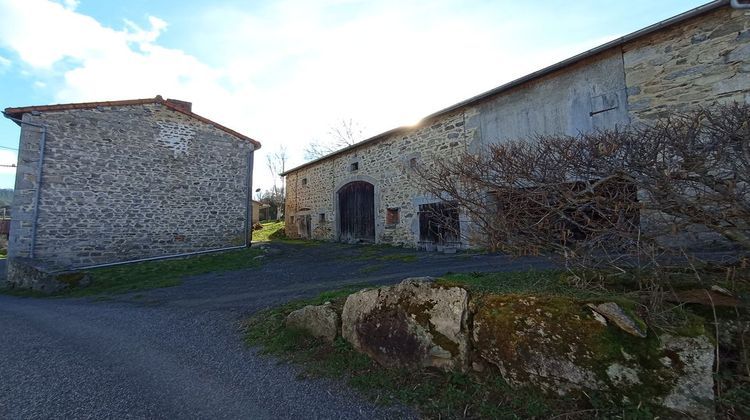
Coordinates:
[589,195]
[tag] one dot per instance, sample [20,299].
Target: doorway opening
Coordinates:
[438,223]
[357,212]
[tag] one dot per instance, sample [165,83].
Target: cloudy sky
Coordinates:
[285,71]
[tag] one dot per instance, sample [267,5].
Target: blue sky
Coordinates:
[285,71]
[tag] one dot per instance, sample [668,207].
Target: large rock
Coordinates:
[693,391]
[319,321]
[413,324]
[556,344]
[538,341]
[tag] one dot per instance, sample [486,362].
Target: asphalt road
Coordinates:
[178,352]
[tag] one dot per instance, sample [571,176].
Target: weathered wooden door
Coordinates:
[308,224]
[357,212]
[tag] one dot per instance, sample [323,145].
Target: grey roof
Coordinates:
[535,75]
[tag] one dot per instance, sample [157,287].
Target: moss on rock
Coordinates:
[556,344]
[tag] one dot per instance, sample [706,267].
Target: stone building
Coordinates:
[109,182]
[369,191]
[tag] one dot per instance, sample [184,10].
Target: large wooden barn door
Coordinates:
[357,212]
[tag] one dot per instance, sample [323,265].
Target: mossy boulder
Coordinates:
[557,345]
[411,325]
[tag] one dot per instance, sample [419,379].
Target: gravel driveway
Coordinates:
[178,353]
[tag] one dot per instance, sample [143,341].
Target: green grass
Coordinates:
[399,257]
[271,230]
[155,274]
[435,393]
[438,394]
[380,253]
[536,282]
[371,268]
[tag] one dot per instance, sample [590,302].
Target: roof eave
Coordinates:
[16,114]
[531,76]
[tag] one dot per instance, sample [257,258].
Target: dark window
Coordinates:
[413,163]
[392,216]
[304,181]
[438,223]
[354,166]
[322,217]
[291,219]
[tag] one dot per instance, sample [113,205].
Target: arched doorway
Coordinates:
[357,212]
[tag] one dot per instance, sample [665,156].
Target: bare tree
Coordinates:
[276,164]
[345,134]
[592,193]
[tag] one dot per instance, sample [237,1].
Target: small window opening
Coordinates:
[291,219]
[354,166]
[322,217]
[392,216]
[304,181]
[413,163]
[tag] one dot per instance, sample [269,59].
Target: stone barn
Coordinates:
[369,191]
[111,182]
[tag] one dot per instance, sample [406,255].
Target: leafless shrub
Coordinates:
[623,193]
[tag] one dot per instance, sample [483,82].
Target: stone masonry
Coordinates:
[128,182]
[387,165]
[701,60]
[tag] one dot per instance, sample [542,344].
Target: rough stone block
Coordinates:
[320,321]
[556,344]
[413,324]
[25,273]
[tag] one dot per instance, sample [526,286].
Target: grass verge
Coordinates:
[439,394]
[435,393]
[155,274]
[271,230]
[532,282]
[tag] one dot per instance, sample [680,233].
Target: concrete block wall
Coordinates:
[128,182]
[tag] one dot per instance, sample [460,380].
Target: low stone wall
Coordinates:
[25,273]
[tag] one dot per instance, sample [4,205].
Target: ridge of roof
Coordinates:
[705,8]
[18,112]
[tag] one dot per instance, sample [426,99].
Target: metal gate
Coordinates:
[357,212]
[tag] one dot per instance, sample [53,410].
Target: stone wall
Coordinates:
[702,61]
[387,165]
[696,62]
[128,182]
[385,162]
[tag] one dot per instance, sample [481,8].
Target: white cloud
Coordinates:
[4,64]
[285,73]
[69,4]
